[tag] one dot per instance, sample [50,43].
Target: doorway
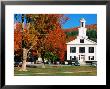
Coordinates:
[81,58]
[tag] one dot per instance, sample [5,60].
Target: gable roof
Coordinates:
[86,41]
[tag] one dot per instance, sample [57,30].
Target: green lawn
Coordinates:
[58,71]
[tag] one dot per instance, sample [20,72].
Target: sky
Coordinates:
[19,19]
[73,20]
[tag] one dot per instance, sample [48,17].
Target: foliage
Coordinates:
[50,56]
[73,33]
[17,36]
[92,34]
[33,33]
[44,23]
[55,43]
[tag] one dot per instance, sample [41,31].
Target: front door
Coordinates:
[82,58]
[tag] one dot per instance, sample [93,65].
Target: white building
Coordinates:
[82,48]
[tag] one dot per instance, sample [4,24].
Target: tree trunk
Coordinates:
[42,55]
[43,65]
[23,68]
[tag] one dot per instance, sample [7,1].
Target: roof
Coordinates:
[86,41]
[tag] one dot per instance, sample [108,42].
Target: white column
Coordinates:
[68,52]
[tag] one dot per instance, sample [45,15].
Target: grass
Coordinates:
[58,71]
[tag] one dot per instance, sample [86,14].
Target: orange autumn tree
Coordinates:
[17,40]
[17,36]
[40,25]
[44,24]
[56,43]
[24,37]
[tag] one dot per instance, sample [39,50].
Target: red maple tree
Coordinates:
[55,42]
[17,36]
[33,36]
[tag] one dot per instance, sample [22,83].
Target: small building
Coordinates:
[82,48]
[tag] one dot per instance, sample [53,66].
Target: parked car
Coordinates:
[94,64]
[75,63]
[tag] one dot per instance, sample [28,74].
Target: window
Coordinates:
[72,49]
[81,40]
[91,57]
[91,49]
[81,49]
[82,24]
[70,57]
[79,57]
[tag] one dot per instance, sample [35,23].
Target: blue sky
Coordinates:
[74,20]
[19,19]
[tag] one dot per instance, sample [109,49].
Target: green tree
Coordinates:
[51,56]
[92,34]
